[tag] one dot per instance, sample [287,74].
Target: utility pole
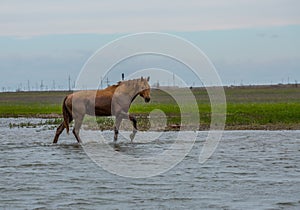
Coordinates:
[28,85]
[173,80]
[107,82]
[42,85]
[69,79]
[101,82]
[53,84]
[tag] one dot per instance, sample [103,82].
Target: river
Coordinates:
[248,170]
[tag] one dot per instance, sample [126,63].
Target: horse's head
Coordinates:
[144,89]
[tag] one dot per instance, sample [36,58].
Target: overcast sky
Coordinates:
[249,41]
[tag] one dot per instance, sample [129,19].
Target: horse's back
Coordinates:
[91,102]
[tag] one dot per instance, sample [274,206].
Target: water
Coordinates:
[249,170]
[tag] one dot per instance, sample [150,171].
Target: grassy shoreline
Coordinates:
[274,107]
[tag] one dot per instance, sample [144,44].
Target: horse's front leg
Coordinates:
[133,120]
[116,127]
[124,115]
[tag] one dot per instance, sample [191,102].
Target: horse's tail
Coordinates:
[67,115]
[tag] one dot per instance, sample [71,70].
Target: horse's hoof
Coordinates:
[132,137]
[117,147]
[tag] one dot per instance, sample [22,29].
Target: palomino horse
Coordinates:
[114,100]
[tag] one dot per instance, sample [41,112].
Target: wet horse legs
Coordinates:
[118,122]
[133,120]
[77,125]
[116,127]
[59,130]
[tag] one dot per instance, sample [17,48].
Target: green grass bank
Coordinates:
[249,107]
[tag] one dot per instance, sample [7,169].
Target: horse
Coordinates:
[114,100]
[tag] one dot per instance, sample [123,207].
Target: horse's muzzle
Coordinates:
[147,100]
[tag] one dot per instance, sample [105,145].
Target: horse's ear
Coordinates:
[148,79]
[142,78]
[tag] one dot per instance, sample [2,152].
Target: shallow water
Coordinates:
[249,170]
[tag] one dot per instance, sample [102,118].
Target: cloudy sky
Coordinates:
[248,41]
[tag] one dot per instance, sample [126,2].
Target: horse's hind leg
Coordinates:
[59,130]
[77,125]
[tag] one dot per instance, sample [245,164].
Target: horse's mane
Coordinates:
[132,81]
[127,82]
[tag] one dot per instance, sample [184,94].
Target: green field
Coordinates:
[248,107]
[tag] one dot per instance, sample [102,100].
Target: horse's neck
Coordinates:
[132,99]
[130,90]
[133,92]
[111,88]
[124,89]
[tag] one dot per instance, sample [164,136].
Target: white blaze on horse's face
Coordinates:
[145,89]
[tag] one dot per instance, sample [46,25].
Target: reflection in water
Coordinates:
[249,170]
